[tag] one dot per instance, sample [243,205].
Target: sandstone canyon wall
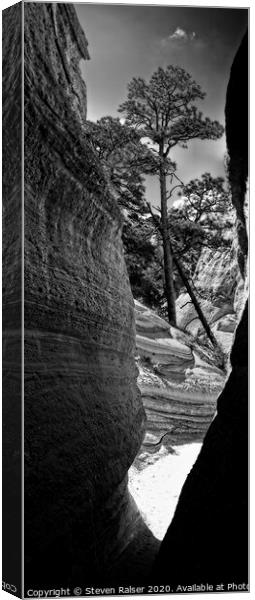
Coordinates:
[178,380]
[83,412]
[11,292]
[221,290]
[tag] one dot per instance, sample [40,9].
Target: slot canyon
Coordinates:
[90,405]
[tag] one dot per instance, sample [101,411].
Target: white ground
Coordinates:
[157,487]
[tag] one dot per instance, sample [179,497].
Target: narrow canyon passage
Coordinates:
[179,382]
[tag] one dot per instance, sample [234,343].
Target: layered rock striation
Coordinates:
[178,382]
[83,412]
[11,291]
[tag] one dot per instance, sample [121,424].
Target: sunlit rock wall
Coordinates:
[83,413]
[178,381]
[221,292]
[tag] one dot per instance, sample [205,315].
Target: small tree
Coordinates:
[125,159]
[202,218]
[162,111]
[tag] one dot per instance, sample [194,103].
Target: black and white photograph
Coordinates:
[125,235]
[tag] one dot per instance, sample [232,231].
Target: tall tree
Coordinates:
[162,112]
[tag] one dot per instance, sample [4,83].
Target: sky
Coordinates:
[127,41]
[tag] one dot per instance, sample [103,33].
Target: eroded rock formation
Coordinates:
[83,412]
[178,381]
[221,291]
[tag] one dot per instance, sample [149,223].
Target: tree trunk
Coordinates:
[187,284]
[194,300]
[168,261]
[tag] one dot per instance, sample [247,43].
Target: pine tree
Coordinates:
[162,112]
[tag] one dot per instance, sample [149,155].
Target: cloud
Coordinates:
[181,39]
[181,34]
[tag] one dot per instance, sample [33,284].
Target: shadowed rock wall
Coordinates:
[83,413]
[207,540]
[237,143]
[11,292]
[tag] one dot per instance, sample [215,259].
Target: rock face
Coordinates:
[11,293]
[178,382]
[208,537]
[221,292]
[83,412]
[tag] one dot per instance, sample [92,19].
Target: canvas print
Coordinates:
[125,286]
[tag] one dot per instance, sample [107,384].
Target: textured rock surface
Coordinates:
[208,537]
[221,292]
[11,294]
[178,382]
[83,412]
